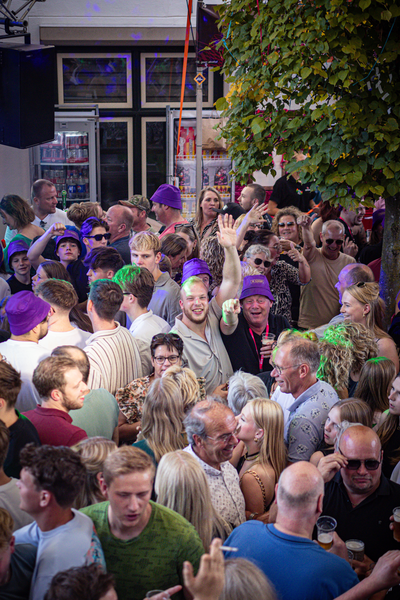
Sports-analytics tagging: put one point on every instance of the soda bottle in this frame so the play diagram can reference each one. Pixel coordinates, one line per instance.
(64, 199)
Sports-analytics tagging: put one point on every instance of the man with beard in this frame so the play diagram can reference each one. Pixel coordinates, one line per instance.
(28, 317)
(61, 388)
(198, 325)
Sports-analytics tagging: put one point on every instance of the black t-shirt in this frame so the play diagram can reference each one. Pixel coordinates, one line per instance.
(289, 192)
(242, 349)
(369, 520)
(370, 253)
(16, 286)
(77, 271)
(22, 432)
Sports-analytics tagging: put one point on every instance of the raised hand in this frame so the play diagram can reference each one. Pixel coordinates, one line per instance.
(56, 229)
(210, 579)
(350, 248)
(227, 231)
(305, 221)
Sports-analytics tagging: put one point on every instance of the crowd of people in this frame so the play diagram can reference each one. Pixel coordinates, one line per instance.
(181, 403)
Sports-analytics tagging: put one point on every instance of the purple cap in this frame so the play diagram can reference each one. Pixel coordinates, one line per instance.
(169, 195)
(14, 247)
(378, 216)
(256, 285)
(24, 311)
(69, 234)
(232, 208)
(194, 267)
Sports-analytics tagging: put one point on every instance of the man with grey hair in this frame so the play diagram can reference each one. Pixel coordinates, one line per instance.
(296, 566)
(211, 430)
(305, 400)
(242, 388)
(319, 300)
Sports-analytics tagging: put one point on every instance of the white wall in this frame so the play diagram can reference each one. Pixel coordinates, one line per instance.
(14, 174)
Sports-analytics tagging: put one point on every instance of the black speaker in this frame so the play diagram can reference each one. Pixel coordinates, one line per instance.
(27, 86)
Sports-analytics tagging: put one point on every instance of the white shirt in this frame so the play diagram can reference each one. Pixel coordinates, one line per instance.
(24, 357)
(76, 337)
(58, 217)
(226, 495)
(147, 325)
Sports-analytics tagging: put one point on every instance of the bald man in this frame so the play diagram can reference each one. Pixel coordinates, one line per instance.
(120, 222)
(297, 567)
(358, 495)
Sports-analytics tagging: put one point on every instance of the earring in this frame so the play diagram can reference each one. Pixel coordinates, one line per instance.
(257, 440)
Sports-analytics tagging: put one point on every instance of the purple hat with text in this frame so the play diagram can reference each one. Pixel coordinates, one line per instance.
(193, 267)
(169, 195)
(256, 285)
(25, 311)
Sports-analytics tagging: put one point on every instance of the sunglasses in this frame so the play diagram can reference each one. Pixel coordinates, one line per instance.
(288, 224)
(258, 262)
(99, 236)
(337, 242)
(354, 464)
(257, 225)
(185, 225)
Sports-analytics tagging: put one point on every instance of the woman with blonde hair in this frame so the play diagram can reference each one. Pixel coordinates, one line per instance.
(189, 386)
(206, 220)
(162, 419)
(335, 366)
(93, 452)
(181, 485)
(361, 342)
(263, 454)
(376, 378)
(361, 303)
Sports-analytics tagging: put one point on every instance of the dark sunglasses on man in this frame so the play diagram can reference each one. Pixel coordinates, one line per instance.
(99, 236)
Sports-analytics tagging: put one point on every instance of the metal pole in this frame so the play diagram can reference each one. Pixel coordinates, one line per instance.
(199, 138)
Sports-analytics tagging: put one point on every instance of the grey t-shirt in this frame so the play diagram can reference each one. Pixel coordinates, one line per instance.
(165, 300)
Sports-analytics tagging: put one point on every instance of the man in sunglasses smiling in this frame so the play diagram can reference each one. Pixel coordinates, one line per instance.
(358, 495)
(319, 300)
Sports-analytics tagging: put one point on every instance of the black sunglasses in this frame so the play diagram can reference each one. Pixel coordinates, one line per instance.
(337, 242)
(99, 236)
(187, 225)
(258, 262)
(288, 224)
(354, 464)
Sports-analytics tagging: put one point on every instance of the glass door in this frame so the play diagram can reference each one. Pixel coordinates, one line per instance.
(116, 159)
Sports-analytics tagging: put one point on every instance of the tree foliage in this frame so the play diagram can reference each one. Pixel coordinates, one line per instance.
(321, 76)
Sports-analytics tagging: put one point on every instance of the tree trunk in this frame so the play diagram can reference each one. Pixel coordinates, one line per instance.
(389, 281)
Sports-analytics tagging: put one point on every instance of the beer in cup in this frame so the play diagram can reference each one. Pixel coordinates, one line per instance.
(356, 547)
(396, 523)
(325, 529)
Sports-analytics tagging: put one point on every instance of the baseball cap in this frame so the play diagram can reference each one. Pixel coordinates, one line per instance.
(232, 208)
(137, 201)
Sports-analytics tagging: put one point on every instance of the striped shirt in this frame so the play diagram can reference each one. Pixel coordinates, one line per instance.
(116, 359)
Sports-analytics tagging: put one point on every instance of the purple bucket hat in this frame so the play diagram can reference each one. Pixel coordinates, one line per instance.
(254, 285)
(14, 247)
(69, 234)
(25, 311)
(169, 195)
(194, 267)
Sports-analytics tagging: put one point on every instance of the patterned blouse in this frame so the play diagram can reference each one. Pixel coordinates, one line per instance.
(131, 397)
(281, 274)
(209, 230)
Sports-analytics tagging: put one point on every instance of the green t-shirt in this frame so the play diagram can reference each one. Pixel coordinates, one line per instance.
(154, 559)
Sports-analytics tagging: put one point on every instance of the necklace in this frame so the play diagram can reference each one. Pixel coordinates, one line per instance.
(248, 456)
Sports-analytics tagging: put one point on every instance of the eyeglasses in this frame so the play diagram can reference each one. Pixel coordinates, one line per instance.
(288, 224)
(337, 242)
(353, 464)
(99, 236)
(172, 359)
(258, 262)
(185, 225)
(225, 437)
(280, 369)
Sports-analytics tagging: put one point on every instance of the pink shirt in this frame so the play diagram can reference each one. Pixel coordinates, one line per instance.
(171, 228)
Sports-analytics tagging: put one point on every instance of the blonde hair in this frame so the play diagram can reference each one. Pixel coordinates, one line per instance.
(126, 460)
(93, 452)
(80, 211)
(357, 337)
(188, 385)
(145, 240)
(198, 220)
(162, 417)
(268, 416)
(245, 581)
(368, 293)
(6, 528)
(182, 486)
(290, 333)
(291, 211)
(335, 365)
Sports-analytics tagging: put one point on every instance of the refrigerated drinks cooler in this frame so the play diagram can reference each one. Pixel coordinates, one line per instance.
(70, 161)
(216, 165)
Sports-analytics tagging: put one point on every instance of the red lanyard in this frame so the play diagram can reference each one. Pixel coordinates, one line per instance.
(259, 355)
